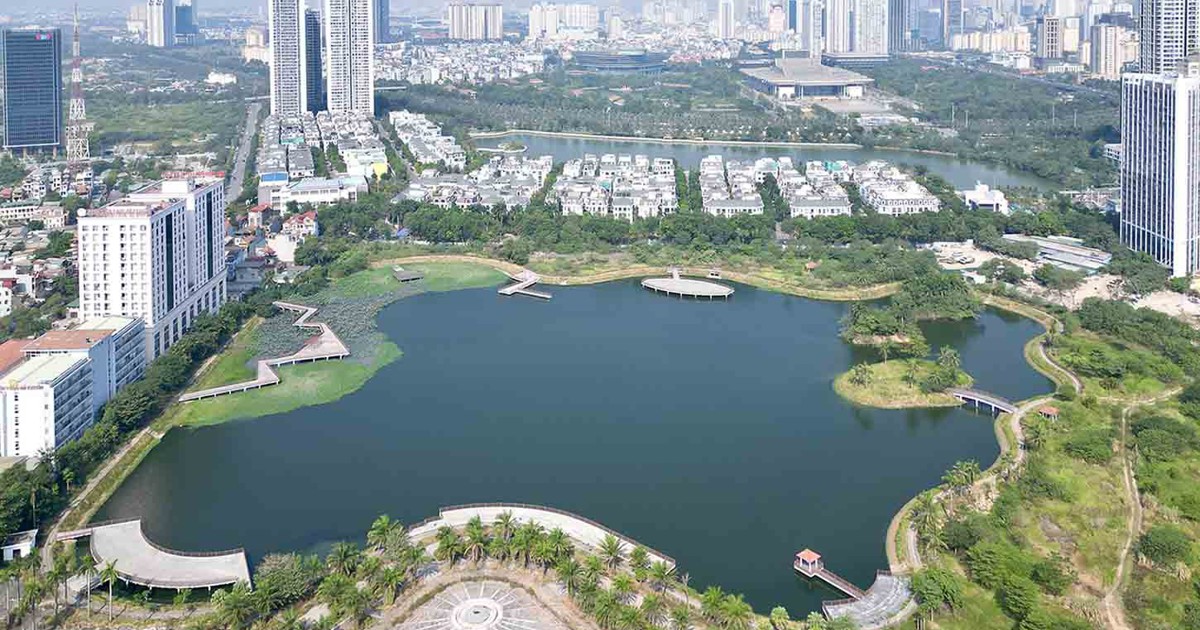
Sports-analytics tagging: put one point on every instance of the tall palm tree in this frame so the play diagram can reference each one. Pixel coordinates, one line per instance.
(949, 358)
(109, 574)
(569, 573)
(289, 619)
(612, 551)
(736, 613)
(560, 544)
(390, 581)
(605, 608)
(381, 530)
(504, 525)
(593, 566)
(413, 559)
(639, 559)
(660, 575)
(710, 603)
(369, 568)
(476, 543)
(343, 558)
(357, 606)
(449, 545)
(685, 579)
(927, 516)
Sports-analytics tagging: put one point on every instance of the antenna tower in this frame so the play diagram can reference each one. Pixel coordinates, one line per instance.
(78, 126)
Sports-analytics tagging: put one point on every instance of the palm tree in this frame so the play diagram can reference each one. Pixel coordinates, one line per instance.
(476, 540)
(390, 581)
(886, 348)
(381, 531)
(912, 373)
(369, 568)
(630, 618)
(357, 606)
(570, 573)
(1035, 436)
(654, 609)
(685, 579)
(660, 575)
(681, 617)
(560, 544)
(343, 558)
(333, 589)
(736, 613)
(860, 374)
(605, 608)
(235, 607)
(181, 597)
(779, 618)
(543, 553)
(948, 358)
(623, 587)
(639, 559)
(926, 516)
(593, 566)
(612, 550)
(109, 574)
(413, 559)
(504, 525)
(288, 620)
(449, 545)
(710, 603)
(525, 539)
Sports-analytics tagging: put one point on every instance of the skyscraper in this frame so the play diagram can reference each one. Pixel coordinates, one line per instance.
(314, 84)
(187, 31)
(837, 26)
(349, 56)
(952, 20)
(476, 21)
(902, 26)
(383, 19)
(160, 23)
(793, 16)
(1160, 166)
(543, 21)
(1107, 43)
(33, 111)
(1050, 37)
(870, 27)
(812, 26)
(289, 93)
(1170, 31)
(725, 23)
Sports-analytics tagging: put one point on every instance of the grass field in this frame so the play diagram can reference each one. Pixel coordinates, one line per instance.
(233, 365)
(889, 389)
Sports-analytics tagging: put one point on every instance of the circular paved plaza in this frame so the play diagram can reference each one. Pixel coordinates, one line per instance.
(481, 605)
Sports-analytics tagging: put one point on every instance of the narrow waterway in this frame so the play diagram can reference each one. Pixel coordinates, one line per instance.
(963, 174)
(708, 430)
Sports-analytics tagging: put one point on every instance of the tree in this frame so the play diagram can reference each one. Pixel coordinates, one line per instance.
(779, 618)
(949, 359)
(736, 613)
(343, 558)
(235, 607)
(382, 531)
(612, 550)
(109, 574)
(710, 603)
(860, 374)
(660, 575)
(570, 573)
(476, 542)
(927, 517)
(504, 526)
(1165, 545)
(681, 617)
(449, 545)
(654, 609)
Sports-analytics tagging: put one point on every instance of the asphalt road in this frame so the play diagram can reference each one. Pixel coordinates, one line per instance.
(243, 154)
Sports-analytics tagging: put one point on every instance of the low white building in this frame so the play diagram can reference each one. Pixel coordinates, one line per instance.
(896, 197)
(983, 197)
(18, 545)
(319, 191)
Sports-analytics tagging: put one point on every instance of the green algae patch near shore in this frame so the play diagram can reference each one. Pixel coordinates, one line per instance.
(896, 385)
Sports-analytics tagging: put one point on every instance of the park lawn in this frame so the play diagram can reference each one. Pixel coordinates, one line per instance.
(365, 283)
(887, 388)
(233, 365)
(301, 385)
(451, 276)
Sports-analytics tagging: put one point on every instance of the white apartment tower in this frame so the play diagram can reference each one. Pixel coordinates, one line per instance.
(543, 21)
(585, 17)
(725, 21)
(160, 22)
(837, 26)
(1108, 47)
(1160, 166)
(349, 56)
(871, 26)
(1170, 31)
(1050, 44)
(157, 255)
(289, 88)
(475, 21)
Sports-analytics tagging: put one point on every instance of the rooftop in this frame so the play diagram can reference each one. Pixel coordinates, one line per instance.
(12, 352)
(18, 539)
(805, 72)
(40, 369)
(74, 339)
(112, 323)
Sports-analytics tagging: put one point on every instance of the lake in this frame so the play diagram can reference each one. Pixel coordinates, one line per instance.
(708, 430)
(963, 174)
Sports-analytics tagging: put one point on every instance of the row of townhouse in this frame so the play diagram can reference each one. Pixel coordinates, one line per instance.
(510, 181)
(425, 140)
(625, 187)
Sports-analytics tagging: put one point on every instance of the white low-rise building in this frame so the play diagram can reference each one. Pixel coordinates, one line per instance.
(897, 197)
(624, 186)
(983, 197)
(319, 191)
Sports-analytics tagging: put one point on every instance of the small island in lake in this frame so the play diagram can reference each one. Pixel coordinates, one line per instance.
(903, 384)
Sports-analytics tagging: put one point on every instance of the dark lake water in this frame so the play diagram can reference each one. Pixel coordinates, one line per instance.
(963, 174)
(708, 430)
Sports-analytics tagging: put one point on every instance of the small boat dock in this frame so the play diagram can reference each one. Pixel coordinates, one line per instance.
(888, 602)
(404, 276)
(687, 287)
(808, 563)
(521, 285)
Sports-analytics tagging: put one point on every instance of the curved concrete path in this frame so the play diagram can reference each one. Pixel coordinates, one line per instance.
(326, 345)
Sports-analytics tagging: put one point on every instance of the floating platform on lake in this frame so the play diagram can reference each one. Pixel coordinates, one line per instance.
(687, 287)
(522, 283)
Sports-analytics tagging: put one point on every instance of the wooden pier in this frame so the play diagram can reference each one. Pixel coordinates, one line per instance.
(521, 286)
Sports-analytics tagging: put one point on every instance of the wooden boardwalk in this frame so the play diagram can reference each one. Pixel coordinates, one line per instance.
(326, 345)
(521, 286)
(978, 397)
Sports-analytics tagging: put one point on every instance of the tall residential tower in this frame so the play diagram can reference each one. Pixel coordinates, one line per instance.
(32, 82)
(314, 84)
(1170, 33)
(349, 56)
(289, 93)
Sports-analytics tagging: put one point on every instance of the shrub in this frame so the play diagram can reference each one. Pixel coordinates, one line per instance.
(1042, 619)
(1159, 445)
(1018, 597)
(1053, 574)
(960, 535)
(289, 575)
(1092, 445)
(1165, 545)
(937, 588)
(997, 562)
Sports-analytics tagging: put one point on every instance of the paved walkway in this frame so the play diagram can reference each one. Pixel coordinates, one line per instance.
(140, 561)
(326, 345)
(888, 600)
(580, 529)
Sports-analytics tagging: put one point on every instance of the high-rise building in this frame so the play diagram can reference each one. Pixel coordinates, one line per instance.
(777, 20)
(952, 20)
(1160, 166)
(158, 254)
(33, 89)
(543, 21)
(837, 26)
(187, 30)
(1107, 51)
(1170, 31)
(314, 85)
(902, 26)
(289, 91)
(812, 26)
(349, 56)
(383, 21)
(476, 21)
(869, 30)
(616, 27)
(160, 23)
(793, 16)
(725, 21)
(585, 17)
(1049, 37)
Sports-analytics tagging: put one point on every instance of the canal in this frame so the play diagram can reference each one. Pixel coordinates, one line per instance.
(708, 430)
(963, 174)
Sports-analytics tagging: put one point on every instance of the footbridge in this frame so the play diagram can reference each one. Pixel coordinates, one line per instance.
(138, 560)
(324, 346)
(981, 398)
(522, 283)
